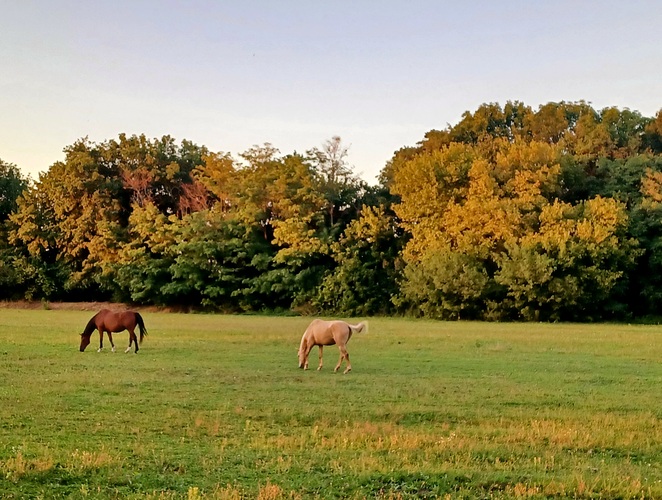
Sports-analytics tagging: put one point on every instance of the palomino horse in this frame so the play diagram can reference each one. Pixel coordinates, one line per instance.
(320, 333)
(113, 322)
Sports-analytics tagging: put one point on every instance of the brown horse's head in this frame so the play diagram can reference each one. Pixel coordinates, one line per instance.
(84, 341)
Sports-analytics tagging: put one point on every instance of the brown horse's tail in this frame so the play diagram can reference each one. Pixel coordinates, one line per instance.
(141, 324)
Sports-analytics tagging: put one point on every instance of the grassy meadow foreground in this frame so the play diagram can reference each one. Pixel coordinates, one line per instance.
(215, 407)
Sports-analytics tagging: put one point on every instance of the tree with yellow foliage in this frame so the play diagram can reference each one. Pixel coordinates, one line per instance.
(490, 238)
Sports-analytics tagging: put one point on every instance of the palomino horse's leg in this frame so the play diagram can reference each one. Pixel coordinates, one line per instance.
(307, 353)
(110, 337)
(343, 355)
(320, 353)
(349, 365)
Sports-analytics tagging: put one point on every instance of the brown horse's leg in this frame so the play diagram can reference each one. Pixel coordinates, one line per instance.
(132, 338)
(320, 354)
(100, 340)
(110, 337)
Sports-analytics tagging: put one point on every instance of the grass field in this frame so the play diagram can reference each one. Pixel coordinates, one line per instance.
(215, 407)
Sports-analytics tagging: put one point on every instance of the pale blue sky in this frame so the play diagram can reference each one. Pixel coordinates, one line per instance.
(231, 74)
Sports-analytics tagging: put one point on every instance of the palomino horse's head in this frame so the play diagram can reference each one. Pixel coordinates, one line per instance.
(84, 341)
(302, 354)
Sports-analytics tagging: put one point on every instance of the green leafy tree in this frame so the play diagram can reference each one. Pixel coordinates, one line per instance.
(499, 230)
(280, 196)
(12, 185)
(22, 275)
(653, 135)
(365, 277)
(215, 263)
(70, 215)
(627, 130)
(576, 265)
(157, 170)
(77, 213)
(550, 123)
(491, 121)
(141, 269)
(646, 226)
(445, 284)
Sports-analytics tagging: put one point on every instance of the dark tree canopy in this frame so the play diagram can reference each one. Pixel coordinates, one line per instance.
(12, 185)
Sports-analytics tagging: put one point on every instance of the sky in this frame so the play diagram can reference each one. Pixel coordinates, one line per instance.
(294, 73)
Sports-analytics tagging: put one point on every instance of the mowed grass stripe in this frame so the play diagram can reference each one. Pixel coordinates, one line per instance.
(215, 406)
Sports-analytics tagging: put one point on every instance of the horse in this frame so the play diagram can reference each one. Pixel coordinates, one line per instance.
(113, 322)
(320, 333)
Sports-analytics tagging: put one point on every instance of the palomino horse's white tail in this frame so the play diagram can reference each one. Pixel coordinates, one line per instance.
(361, 327)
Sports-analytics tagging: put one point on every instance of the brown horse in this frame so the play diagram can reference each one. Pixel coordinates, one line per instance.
(113, 322)
(320, 333)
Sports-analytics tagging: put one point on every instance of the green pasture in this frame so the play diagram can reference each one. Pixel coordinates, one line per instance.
(214, 406)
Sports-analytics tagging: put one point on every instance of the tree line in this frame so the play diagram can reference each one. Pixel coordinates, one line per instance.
(510, 214)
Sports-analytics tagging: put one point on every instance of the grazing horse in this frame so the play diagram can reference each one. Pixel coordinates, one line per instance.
(113, 322)
(320, 333)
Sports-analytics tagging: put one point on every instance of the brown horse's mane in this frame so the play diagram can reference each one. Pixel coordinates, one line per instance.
(91, 325)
